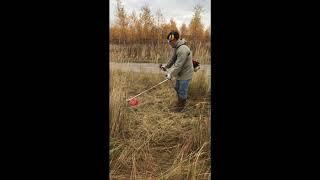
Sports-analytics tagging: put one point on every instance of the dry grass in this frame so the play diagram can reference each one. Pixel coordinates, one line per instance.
(149, 141)
(158, 53)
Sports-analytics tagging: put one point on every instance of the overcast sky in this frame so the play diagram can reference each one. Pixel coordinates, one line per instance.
(180, 10)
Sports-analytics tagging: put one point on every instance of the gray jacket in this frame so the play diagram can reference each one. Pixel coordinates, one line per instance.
(181, 61)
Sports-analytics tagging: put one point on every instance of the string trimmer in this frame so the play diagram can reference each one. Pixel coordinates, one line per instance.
(133, 100)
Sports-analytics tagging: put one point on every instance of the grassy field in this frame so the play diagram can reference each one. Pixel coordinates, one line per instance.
(155, 53)
(151, 142)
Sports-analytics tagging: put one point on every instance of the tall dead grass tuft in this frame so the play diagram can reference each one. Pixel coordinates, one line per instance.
(156, 53)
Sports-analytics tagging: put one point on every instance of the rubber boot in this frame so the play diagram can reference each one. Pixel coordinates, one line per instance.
(181, 105)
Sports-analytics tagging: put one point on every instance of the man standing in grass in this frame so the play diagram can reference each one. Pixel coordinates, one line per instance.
(180, 66)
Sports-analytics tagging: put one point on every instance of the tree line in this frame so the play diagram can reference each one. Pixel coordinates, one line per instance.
(146, 27)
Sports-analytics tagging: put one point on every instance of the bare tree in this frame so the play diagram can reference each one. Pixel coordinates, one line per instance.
(147, 22)
(173, 25)
(183, 30)
(121, 21)
(160, 21)
(196, 27)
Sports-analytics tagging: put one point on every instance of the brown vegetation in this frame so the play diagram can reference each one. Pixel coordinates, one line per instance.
(142, 37)
(151, 142)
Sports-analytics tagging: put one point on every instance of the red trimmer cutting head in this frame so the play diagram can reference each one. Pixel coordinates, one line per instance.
(134, 102)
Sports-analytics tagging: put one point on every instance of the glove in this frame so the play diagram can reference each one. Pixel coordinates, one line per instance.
(168, 76)
(162, 67)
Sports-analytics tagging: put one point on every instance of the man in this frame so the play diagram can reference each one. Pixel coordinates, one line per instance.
(181, 67)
